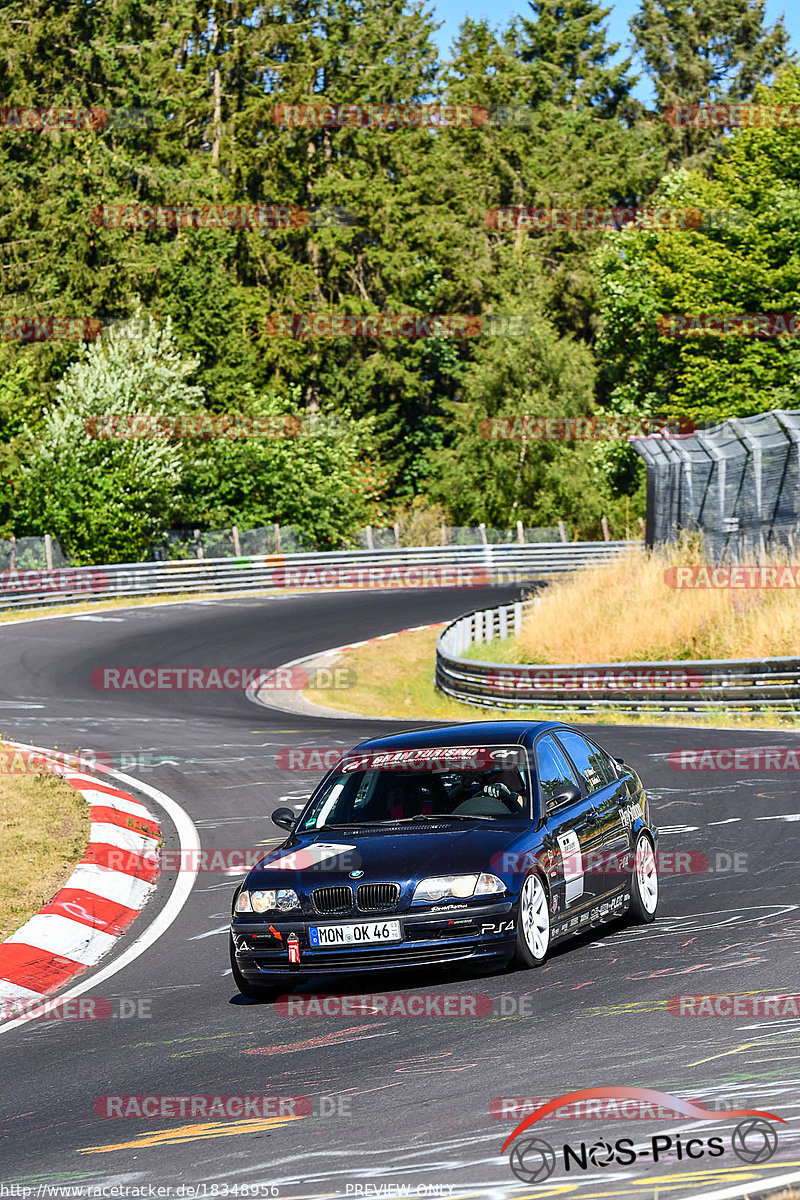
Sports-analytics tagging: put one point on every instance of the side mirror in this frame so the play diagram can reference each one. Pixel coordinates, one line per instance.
(621, 761)
(285, 818)
(567, 795)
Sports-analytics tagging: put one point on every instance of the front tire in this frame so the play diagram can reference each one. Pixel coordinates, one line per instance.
(251, 990)
(644, 882)
(533, 923)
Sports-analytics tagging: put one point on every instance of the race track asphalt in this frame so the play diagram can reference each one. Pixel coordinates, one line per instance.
(400, 1106)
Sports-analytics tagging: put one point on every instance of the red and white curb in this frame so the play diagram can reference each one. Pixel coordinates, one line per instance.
(106, 891)
(382, 638)
(296, 702)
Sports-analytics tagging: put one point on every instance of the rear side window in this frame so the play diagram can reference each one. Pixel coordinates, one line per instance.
(593, 763)
(553, 769)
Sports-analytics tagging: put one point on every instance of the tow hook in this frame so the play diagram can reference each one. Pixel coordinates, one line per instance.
(294, 948)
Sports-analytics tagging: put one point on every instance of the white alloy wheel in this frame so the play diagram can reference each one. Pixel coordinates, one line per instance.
(646, 875)
(534, 916)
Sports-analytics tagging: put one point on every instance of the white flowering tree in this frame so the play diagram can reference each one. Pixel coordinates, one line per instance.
(107, 498)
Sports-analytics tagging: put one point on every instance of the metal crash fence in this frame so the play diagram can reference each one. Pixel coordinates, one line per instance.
(737, 483)
(681, 686)
(426, 566)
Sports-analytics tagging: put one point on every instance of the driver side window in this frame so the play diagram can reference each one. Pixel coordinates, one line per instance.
(553, 770)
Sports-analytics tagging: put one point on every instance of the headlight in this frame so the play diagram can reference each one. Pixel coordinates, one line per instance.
(458, 887)
(282, 900)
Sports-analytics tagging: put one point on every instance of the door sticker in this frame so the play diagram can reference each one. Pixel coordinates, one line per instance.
(570, 849)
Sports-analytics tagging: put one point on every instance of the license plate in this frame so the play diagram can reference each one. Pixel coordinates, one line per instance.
(355, 935)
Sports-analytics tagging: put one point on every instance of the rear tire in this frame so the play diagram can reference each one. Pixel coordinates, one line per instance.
(533, 923)
(252, 991)
(644, 882)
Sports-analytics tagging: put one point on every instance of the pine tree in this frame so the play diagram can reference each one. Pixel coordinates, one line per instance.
(705, 51)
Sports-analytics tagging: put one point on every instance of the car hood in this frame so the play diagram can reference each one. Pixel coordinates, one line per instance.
(401, 853)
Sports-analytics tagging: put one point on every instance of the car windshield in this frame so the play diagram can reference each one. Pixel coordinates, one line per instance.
(487, 783)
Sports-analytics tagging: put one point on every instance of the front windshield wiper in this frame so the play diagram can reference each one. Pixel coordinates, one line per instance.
(420, 817)
(465, 817)
(341, 825)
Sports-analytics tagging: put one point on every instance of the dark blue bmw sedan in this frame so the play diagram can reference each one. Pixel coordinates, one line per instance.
(474, 843)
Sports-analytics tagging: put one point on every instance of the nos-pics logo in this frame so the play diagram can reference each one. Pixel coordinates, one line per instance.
(533, 1160)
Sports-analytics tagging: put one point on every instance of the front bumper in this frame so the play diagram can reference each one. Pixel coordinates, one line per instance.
(480, 934)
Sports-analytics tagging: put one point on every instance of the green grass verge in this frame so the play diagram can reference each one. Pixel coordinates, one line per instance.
(45, 829)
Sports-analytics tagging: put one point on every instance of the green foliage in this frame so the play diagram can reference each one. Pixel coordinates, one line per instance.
(407, 413)
(747, 265)
(701, 51)
(105, 499)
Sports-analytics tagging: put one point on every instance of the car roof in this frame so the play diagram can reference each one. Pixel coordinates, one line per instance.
(468, 733)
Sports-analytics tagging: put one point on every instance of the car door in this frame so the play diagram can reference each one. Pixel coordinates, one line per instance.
(609, 794)
(571, 825)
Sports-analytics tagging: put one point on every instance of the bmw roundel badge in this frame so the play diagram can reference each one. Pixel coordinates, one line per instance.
(356, 874)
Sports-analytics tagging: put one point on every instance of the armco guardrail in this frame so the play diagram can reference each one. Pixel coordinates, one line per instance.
(685, 685)
(426, 566)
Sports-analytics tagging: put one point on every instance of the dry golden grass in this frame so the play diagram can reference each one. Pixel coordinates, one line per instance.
(626, 612)
(44, 828)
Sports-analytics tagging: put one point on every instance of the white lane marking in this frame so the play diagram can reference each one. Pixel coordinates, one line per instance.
(110, 885)
(781, 817)
(90, 618)
(184, 882)
(226, 787)
(61, 935)
(728, 821)
(198, 937)
(18, 704)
